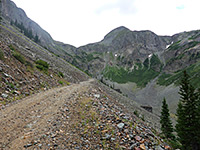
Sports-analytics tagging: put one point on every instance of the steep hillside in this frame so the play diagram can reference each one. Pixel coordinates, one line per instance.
(17, 17)
(26, 67)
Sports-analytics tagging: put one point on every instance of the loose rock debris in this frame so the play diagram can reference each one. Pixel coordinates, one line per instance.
(77, 117)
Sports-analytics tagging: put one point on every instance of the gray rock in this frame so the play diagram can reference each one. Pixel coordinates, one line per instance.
(120, 125)
(107, 137)
(158, 148)
(4, 95)
(133, 146)
(28, 145)
(97, 95)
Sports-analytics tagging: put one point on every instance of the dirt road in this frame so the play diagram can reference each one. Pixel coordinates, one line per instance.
(28, 117)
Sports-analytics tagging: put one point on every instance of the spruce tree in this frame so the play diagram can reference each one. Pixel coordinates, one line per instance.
(198, 119)
(187, 121)
(166, 124)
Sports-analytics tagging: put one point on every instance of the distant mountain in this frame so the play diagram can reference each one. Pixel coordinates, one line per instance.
(142, 65)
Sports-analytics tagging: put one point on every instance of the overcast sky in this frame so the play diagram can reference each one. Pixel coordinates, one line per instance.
(79, 22)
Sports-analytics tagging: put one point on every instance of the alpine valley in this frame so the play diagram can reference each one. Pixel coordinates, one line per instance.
(141, 65)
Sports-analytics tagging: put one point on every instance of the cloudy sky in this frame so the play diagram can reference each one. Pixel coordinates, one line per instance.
(79, 22)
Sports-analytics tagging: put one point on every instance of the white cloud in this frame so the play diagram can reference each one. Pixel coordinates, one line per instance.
(123, 6)
(80, 22)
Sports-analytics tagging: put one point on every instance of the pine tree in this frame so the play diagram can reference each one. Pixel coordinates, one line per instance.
(166, 124)
(36, 39)
(198, 118)
(187, 122)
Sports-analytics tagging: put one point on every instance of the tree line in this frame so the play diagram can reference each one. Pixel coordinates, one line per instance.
(25, 31)
(188, 117)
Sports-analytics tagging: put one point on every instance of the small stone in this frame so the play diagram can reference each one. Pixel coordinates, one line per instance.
(53, 136)
(120, 125)
(133, 146)
(1, 69)
(97, 95)
(142, 146)
(28, 145)
(137, 138)
(107, 137)
(126, 130)
(123, 147)
(4, 95)
(158, 148)
(17, 92)
(28, 126)
(6, 75)
(167, 147)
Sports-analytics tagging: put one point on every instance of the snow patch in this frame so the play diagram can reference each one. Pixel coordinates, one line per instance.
(150, 55)
(167, 46)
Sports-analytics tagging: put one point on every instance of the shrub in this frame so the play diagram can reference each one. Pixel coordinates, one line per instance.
(60, 74)
(19, 57)
(42, 65)
(11, 47)
(1, 55)
(60, 82)
(28, 63)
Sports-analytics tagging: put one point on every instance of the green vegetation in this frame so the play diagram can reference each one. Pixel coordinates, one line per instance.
(19, 57)
(174, 46)
(25, 31)
(192, 44)
(188, 113)
(1, 55)
(11, 47)
(60, 74)
(155, 61)
(141, 75)
(193, 71)
(166, 124)
(42, 65)
(90, 57)
(188, 116)
(84, 57)
(146, 62)
(60, 82)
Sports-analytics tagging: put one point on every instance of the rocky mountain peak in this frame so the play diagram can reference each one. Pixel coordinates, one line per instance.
(108, 39)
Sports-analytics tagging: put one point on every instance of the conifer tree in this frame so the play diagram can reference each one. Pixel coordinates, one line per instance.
(187, 121)
(36, 39)
(198, 118)
(166, 124)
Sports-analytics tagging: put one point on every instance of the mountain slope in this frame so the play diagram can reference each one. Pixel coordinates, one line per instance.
(143, 65)
(14, 14)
